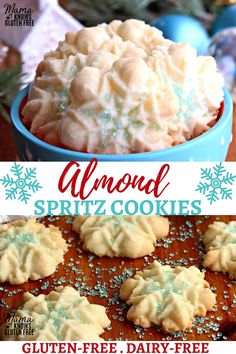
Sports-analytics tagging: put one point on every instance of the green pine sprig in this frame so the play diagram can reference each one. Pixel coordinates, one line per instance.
(10, 83)
(190, 7)
(91, 12)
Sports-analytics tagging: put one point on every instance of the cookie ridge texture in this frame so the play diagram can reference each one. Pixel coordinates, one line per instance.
(104, 90)
(220, 246)
(168, 297)
(29, 250)
(61, 315)
(120, 236)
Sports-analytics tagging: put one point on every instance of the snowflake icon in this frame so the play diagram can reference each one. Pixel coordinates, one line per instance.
(215, 183)
(21, 183)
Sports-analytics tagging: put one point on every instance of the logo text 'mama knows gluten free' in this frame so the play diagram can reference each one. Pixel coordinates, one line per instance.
(18, 16)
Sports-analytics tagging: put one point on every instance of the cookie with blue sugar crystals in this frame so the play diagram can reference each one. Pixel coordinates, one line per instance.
(220, 245)
(29, 250)
(120, 236)
(168, 297)
(61, 315)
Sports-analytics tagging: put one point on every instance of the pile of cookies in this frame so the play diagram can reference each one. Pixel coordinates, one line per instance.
(157, 295)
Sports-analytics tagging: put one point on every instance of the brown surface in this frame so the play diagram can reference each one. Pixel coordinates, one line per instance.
(181, 245)
(8, 150)
(11, 58)
(7, 144)
(232, 149)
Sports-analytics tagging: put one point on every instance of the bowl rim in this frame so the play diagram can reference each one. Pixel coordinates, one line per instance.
(16, 121)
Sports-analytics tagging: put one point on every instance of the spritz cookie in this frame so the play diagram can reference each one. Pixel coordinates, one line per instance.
(220, 245)
(120, 236)
(168, 297)
(29, 250)
(61, 315)
(105, 89)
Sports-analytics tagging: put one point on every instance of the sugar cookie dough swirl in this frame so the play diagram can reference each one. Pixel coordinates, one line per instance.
(168, 297)
(122, 88)
(120, 236)
(62, 315)
(29, 250)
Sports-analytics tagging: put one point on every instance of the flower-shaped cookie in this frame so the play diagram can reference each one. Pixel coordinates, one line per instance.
(29, 250)
(168, 297)
(61, 315)
(120, 236)
(220, 244)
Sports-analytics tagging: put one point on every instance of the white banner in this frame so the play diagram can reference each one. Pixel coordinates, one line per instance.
(120, 347)
(99, 188)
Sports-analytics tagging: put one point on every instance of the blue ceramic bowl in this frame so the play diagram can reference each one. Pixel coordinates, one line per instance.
(210, 146)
